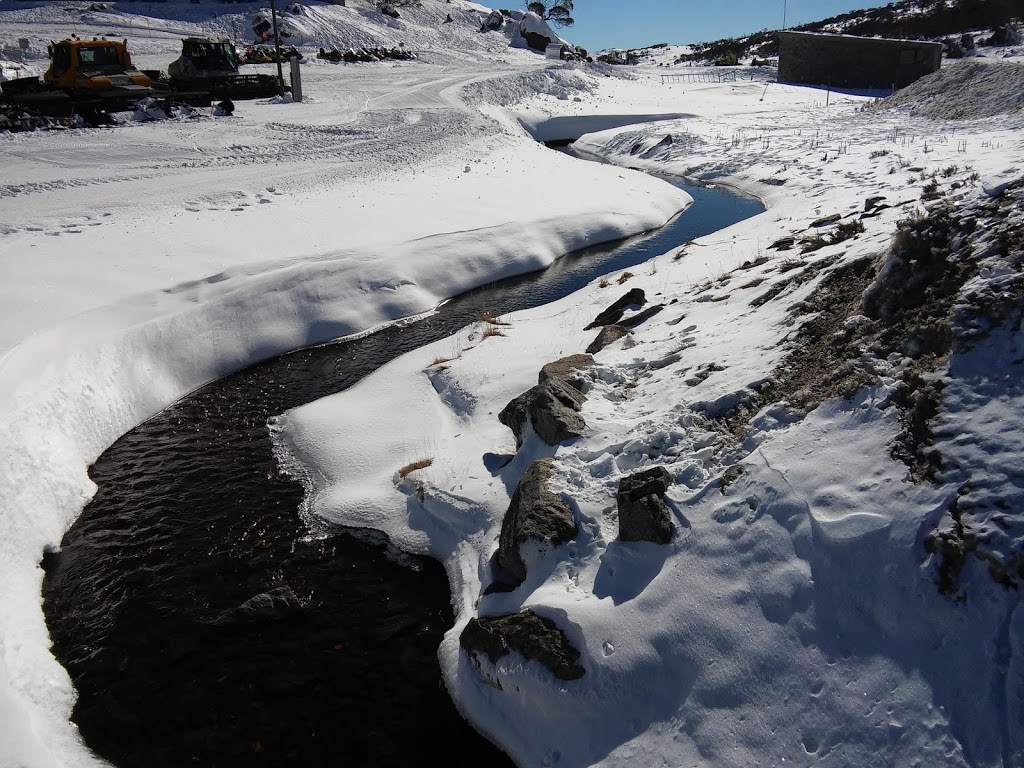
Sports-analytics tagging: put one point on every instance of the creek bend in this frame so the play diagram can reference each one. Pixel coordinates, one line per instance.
(192, 518)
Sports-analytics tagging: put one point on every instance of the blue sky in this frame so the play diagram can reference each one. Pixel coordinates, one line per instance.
(635, 23)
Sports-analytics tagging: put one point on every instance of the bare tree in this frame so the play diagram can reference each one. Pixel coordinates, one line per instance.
(558, 12)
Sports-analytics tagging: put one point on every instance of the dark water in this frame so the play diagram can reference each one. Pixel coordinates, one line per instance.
(192, 518)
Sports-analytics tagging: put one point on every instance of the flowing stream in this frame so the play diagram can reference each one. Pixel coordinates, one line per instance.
(192, 518)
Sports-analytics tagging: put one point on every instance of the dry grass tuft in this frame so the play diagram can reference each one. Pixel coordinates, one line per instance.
(490, 330)
(604, 283)
(625, 276)
(413, 466)
(488, 317)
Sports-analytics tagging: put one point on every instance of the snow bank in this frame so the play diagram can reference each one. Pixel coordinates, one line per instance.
(967, 90)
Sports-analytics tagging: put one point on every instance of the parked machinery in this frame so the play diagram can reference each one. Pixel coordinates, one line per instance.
(211, 65)
(83, 76)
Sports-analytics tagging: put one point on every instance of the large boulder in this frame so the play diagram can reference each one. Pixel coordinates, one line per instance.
(532, 636)
(494, 21)
(643, 513)
(536, 33)
(553, 405)
(536, 515)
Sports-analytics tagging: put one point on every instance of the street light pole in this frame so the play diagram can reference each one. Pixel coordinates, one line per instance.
(277, 48)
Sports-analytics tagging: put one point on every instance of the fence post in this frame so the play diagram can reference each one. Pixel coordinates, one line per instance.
(296, 79)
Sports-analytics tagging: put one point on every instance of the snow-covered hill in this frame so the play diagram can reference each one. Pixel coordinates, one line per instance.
(989, 29)
(833, 387)
(154, 30)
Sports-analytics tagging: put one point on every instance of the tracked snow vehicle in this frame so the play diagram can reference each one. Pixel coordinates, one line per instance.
(212, 65)
(84, 76)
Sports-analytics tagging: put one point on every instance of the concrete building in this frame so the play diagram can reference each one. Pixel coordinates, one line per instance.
(844, 61)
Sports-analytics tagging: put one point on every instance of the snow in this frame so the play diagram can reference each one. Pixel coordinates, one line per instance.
(793, 619)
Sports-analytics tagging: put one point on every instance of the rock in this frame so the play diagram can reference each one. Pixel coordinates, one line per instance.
(612, 315)
(552, 406)
(643, 513)
(534, 514)
(783, 244)
(564, 368)
(608, 334)
(640, 317)
(554, 412)
(536, 41)
(275, 605)
(532, 636)
(824, 221)
(494, 21)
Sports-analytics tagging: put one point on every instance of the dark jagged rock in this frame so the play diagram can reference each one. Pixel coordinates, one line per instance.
(643, 513)
(552, 406)
(534, 514)
(532, 636)
(275, 605)
(640, 317)
(608, 334)
(636, 297)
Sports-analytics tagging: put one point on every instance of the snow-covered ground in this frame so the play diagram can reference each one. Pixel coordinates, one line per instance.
(794, 618)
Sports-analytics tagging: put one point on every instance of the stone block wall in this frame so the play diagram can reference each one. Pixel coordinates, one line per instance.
(844, 61)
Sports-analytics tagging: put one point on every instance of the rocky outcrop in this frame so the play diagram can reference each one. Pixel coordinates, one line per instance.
(552, 406)
(275, 605)
(532, 636)
(608, 334)
(643, 513)
(534, 514)
(494, 21)
(634, 297)
(536, 41)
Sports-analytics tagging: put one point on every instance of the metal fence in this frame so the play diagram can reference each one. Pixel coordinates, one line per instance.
(719, 76)
(725, 76)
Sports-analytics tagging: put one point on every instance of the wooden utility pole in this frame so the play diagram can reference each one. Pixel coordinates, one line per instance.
(277, 48)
